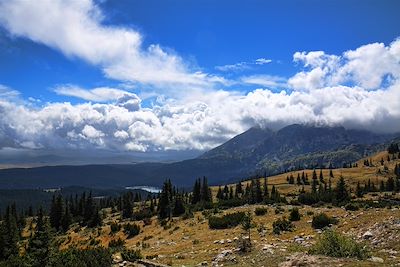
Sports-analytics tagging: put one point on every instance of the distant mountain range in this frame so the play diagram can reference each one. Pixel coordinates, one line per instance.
(253, 152)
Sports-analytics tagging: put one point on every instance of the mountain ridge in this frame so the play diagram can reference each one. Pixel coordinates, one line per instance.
(257, 150)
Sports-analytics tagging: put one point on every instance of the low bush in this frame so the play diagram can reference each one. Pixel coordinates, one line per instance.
(282, 225)
(115, 227)
(91, 257)
(226, 221)
(294, 215)
(131, 255)
(322, 220)
(116, 243)
(351, 207)
(332, 244)
(131, 230)
(260, 211)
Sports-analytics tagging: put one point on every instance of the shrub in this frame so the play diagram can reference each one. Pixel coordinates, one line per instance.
(131, 230)
(116, 243)
(333, 244)
(131, 255)
(115, 227)
(294, 215)
(226, 221)
(322, 220)
(260, 211)
(142, 214)
(91, 257)
(279, 210)
(282, 225)
(351, 207)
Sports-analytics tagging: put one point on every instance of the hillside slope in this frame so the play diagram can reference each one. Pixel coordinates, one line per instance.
(255, 151)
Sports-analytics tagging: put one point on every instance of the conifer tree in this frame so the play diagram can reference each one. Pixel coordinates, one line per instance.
(127, 206)
(266, 193)
(165, 202)
(179, 207)
(56, 211)
(258, 196)
(321, 176)
(220, 195)
(298, 179)
(9, 235)
(66, 219)
(359, 191)
(341, 193)
(239, 189)
(39, 244)
(205, 191)
(314, 183)
(231, 192)
(390, 184)
(196, 192)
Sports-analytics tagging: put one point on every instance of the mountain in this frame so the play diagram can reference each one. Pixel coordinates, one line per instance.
(255, 151)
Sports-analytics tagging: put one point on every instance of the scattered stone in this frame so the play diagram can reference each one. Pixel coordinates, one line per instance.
(367, 235)
(376, 259)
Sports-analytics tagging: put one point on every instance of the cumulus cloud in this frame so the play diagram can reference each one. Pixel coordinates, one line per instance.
(75, 28)
(358, 89)
(370, 66)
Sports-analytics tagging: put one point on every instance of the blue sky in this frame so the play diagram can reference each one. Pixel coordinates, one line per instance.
(209, 33)
(148, 76)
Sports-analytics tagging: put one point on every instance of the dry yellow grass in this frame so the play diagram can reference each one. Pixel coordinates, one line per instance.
(189, 242)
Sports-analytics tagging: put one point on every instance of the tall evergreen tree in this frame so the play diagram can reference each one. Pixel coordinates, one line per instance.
(341, 193)
(165, 202)
(314, 183)
(56, 212)
(321, 176)
(205, 191)
(39, 244)
(266, 193)
(196, 197)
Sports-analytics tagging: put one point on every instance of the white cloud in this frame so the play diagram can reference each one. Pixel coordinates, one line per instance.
(370, 66)
(100, 94)
(240, 66)
(262, 61)
(233, 67)
(265, 81)
(75, 28)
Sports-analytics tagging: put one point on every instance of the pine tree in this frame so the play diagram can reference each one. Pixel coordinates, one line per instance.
(266, 193)
(258, 196)
(225, 192)
(359, 191)
(382, 186)
(66, 219)
(56, 211)
(239, 189)
(321, 176)
(205, 191)
(220, 195)
(165, 202)
(341, 193)
(298, 179)
(314, 183)
(231, 192)
(331, 173)
(196, 192)
(9, 235)
(390, 184)
(127, 205)
(179, 207)
(39, 244)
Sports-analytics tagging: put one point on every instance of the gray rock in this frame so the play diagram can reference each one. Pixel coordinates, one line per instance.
(376, 259)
